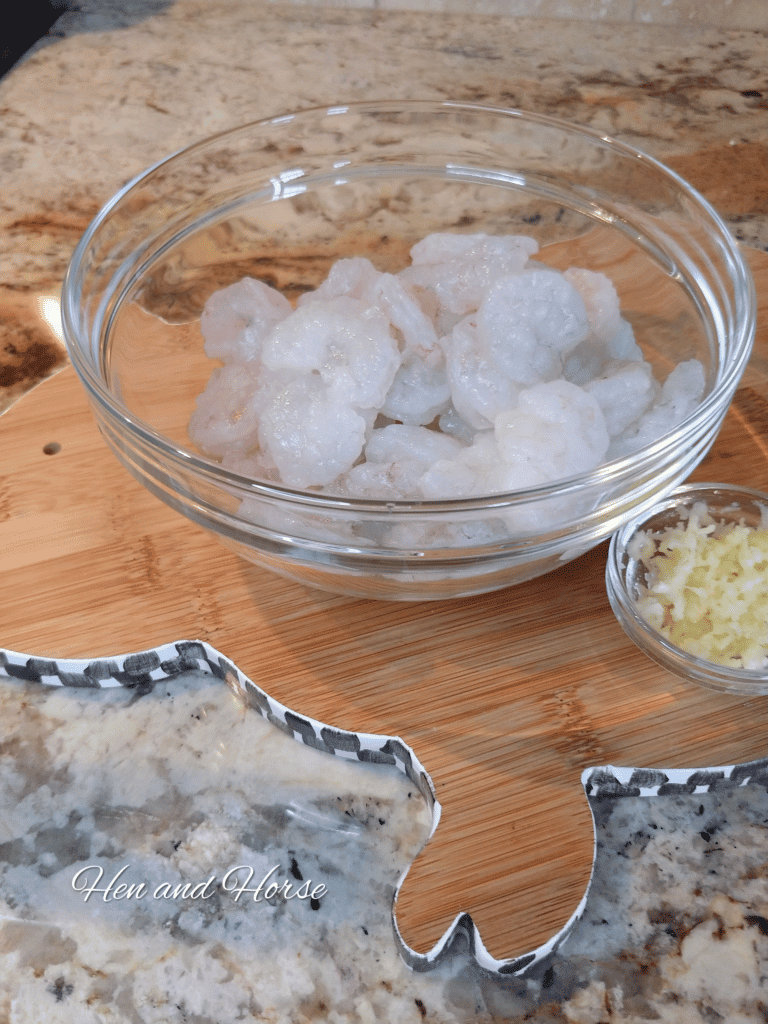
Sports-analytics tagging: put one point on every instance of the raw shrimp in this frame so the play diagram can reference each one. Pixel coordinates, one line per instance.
(476, 370)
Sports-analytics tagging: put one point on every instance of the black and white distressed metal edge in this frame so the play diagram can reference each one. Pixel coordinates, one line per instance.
(140, 671)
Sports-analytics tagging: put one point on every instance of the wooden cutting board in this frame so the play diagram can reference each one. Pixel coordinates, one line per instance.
(505, 698)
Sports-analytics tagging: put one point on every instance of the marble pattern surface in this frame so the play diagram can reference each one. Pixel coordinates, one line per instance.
(185, 882)
(95, 15)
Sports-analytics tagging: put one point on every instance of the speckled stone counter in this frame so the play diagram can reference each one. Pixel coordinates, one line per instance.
(83, 115)
(181, 882)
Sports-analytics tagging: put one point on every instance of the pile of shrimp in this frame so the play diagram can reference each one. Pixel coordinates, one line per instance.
(475, 370)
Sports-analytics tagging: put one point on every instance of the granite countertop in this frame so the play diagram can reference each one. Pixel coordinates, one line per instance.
(185, 882)
(83, 115)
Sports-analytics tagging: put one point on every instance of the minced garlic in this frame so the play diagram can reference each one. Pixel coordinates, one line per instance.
(706, 588)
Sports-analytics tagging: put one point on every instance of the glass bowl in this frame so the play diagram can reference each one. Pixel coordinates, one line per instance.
(625, 575)
(281, 200)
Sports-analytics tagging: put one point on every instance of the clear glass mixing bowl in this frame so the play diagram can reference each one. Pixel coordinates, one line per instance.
(281, 200)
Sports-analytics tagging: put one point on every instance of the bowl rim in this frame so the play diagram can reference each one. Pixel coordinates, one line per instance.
(602, 475)
(641, 632)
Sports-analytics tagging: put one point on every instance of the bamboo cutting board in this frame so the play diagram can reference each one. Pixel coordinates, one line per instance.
(505, 698)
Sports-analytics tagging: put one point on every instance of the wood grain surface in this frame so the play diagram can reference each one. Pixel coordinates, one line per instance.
(505, 698)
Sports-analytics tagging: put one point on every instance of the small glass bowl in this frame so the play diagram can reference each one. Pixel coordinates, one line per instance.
(725, 502)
